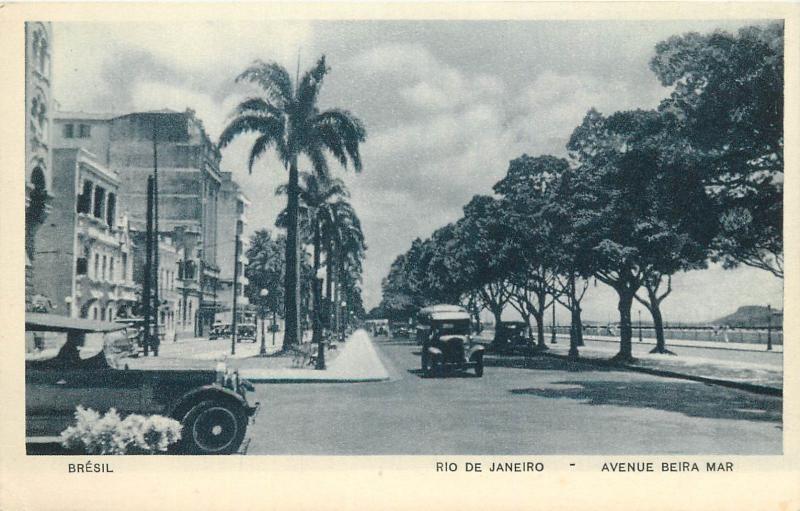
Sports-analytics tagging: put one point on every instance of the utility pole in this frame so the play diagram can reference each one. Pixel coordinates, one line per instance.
(148, 266)
(156, 302)
(640, 325)
(553, 334)
(769, 327)
(235, 289)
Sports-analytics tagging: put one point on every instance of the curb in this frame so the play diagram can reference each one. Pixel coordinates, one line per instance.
(748, 387)
(278, 379)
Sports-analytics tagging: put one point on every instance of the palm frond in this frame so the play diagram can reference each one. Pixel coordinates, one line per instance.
(309, 85)
(341, 133)
(255, 106)
(266, 125)
(273, 78)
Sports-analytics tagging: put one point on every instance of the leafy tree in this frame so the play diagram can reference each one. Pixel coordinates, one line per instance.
(527, 188)
(484, 253)
(728, 95)
(288, 120)
(640, 203)
(266, 269)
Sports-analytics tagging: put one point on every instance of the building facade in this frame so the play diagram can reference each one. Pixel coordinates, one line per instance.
(233, 204)
(189, 181)
(85, 251)
(38, 175)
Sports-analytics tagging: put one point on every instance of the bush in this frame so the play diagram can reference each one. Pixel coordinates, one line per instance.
(110, 434)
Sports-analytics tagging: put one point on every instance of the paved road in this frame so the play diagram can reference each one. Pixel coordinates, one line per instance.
(552, 409)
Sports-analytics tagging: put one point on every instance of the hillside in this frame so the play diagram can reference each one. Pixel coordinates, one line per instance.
(750, 316)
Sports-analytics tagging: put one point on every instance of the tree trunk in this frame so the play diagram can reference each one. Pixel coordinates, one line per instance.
(541, 345)
(625, 331)
(576, 330)
(317, 301)
(496, 312)
(658, 325)
(328, 282)
(291, 335)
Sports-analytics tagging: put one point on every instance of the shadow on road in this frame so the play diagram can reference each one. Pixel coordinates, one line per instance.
(450, 374)
(543, 364)
(691, 399)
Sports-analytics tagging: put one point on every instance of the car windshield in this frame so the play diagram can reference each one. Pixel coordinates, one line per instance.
(452, 326)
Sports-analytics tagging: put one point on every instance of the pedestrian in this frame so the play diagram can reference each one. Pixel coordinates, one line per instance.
(725, 333)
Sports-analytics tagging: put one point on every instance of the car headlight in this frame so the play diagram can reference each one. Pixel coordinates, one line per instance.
(221, 373)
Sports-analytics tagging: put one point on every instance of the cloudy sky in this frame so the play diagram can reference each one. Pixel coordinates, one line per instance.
(446, 105)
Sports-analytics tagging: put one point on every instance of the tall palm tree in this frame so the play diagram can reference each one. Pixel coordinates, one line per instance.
(319, 196)
(345, 250)
(288, 120)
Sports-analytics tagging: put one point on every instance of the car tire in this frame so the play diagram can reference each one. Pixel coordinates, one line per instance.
(427, 365)
(479, 367)
(213, 427)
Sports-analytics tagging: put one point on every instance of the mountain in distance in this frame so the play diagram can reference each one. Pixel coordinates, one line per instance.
(750, 316)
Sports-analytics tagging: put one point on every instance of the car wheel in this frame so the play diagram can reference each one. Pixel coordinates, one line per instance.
(213, 427)
(479, 367)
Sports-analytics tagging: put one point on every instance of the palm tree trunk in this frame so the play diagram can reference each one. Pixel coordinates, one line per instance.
(291, 334)
(329, 282)
(317, 321)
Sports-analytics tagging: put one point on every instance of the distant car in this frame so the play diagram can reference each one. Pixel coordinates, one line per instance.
(401, 330)
(246, 332)
(511, 337)
(82, 365)
(447, 344)
(220, 331)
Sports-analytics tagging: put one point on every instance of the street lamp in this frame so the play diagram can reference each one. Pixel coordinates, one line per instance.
(769, 327)
(317, 320)
(553, 335)
(640, 325)
(263, 294)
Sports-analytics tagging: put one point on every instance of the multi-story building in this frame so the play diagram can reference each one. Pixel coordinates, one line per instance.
(167, 281)
(38, 177)
(232, 219)
(189, 180)
(85, 254)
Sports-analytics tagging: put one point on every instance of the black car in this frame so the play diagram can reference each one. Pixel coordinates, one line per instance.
(80, 363)
(447, 344)
(511, 337)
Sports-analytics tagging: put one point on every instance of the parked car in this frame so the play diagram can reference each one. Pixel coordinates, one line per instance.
(78, 365)
(511, 337)
(220, 331)
(447, 344)
(246, 332)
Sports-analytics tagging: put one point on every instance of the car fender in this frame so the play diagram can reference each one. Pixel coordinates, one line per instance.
(477, 352)
(434, 351)
(206, 392)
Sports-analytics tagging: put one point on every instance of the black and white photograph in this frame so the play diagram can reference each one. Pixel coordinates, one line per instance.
(482, 246)
(431, 237)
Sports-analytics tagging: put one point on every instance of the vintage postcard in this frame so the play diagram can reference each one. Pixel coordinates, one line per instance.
(403, 255)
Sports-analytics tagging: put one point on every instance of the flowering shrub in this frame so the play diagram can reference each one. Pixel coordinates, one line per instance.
(110, 434)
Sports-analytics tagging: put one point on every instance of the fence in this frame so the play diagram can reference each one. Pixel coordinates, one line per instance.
(687, 333)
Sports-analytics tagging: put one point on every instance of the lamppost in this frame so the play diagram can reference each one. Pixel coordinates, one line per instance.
(640, 325)
(263, 294)
(317, 320)
(553, 335)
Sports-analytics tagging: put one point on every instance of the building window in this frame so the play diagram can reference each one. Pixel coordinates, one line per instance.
(85, 198)
(124, 266)
(81, 266)
(84, 131)
(94, 312)
(96, 266)
(111, 276)
(103, 275)
(102, 314)
(99, 201)
(111, 209)
(69, 131)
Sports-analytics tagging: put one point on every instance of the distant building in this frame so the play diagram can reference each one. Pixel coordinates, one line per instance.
(168, 292)
(232, 218)
(189, 183)
(38, 176)
(84, 250)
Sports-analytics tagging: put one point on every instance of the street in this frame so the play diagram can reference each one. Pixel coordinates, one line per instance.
(550, 409)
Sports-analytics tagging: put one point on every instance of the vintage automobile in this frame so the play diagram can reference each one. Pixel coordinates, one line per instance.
(77, 362)
(511, 337)
(246, 332)
(220, 331)
(400, 330)
(445, 335)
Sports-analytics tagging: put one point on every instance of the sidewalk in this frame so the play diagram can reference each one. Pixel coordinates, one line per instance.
(720, 345)
(357, 361)
(756, 377)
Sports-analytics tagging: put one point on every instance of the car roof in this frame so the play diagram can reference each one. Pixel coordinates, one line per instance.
(432, 309)
(35, 321)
